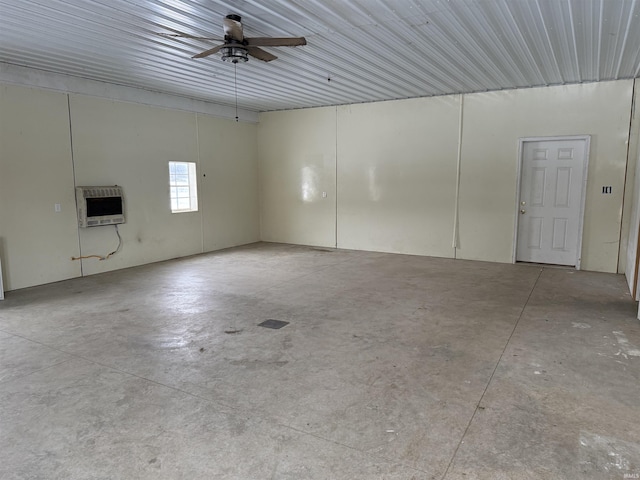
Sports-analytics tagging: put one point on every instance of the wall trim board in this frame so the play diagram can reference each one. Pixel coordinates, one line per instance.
(73, 172)
(30, 77)
(456, 213)
(199, 182)
(336, 180)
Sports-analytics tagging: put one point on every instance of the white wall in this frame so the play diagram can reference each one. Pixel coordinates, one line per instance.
(394, 190)
(396, 164)
(397, 175)
(228, 199)
(494, 121)
(36, 243)
(126, 144)
(297, 151)
(115, 143)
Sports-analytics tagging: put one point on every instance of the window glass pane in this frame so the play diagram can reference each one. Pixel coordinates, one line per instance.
(182, 180)
(183, 187)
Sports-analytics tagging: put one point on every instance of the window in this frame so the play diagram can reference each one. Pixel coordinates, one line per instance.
(183, 187)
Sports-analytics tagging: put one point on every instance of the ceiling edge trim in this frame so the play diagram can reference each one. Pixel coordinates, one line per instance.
(30, 77)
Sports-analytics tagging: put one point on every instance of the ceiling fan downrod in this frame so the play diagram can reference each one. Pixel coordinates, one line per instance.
(235, 78)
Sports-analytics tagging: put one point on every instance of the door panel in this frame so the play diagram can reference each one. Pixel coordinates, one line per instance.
(559, 234)
(535, 232)
(550, 210)
(538, 186)
(563, 187)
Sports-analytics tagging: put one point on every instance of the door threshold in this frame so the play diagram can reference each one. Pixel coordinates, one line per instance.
(547, 265)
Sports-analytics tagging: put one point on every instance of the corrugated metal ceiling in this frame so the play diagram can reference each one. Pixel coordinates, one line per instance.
(358, 50)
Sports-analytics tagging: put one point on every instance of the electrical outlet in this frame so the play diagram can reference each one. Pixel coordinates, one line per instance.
(324, 194)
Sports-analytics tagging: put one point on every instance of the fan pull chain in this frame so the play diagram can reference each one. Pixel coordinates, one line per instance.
(235, 74)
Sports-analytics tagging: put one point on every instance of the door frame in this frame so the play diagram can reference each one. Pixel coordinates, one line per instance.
(583, 194)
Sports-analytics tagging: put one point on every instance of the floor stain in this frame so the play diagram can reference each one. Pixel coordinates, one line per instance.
(254, 364)
(626, 348)
(607, 454)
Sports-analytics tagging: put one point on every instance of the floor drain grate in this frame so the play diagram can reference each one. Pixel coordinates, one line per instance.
(275, 324)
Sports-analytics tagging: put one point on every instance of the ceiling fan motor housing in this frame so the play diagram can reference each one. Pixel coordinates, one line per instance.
(234, 54)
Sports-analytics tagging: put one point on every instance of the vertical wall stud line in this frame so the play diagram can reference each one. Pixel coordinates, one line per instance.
(336, 180)
(456, 219)
(199, 184)
(259, 176)
(73, 173)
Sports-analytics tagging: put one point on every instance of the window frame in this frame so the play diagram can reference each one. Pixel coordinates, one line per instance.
(178, 182)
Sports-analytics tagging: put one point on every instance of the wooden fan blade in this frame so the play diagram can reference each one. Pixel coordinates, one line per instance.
(233, 29)
(275, 42)
(260, 54)
(186, 35)
(211, 51)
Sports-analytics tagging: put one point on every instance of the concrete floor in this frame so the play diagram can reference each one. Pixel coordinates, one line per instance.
(392, 366)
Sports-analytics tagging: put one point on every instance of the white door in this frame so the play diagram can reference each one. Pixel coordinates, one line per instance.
(550, 209)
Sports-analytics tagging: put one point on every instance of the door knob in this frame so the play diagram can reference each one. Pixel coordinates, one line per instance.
(523, 211)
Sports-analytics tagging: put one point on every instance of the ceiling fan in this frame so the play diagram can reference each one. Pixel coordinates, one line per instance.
(236, 47)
